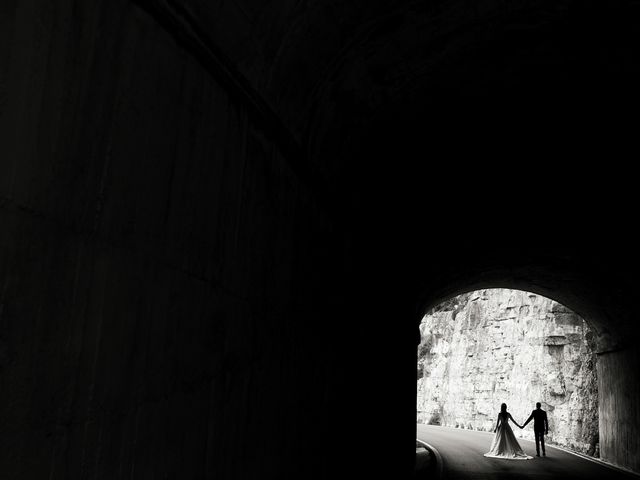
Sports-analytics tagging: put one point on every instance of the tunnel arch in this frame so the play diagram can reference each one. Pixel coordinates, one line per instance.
(498, 345)
(524, 287)
(601, 306)
(592, 314)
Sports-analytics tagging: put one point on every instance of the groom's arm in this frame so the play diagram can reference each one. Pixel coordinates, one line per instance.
(546, 424)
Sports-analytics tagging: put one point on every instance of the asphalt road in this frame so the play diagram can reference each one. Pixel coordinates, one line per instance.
(462, 454)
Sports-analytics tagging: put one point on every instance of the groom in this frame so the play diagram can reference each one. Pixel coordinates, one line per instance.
(540, 427)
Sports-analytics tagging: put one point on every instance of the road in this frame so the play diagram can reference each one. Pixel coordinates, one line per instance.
(462, 453)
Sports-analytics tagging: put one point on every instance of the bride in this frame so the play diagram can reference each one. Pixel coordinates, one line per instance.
(504, 443)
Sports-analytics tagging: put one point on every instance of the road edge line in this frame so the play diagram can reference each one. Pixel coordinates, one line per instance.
(436, 453)
(599, 461)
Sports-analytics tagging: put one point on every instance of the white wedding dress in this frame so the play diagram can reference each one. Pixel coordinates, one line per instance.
(505, 444)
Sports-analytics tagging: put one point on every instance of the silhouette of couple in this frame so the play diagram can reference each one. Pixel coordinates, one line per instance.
(505, 445)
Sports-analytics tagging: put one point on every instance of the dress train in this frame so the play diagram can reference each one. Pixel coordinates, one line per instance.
(505, 445)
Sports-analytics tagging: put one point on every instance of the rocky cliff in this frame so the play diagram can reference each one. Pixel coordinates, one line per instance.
(487, 347)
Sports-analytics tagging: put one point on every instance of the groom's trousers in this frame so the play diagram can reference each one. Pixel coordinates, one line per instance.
(539, 434)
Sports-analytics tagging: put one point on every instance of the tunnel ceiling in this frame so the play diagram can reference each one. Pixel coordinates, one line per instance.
(334, 66)
(351, 80)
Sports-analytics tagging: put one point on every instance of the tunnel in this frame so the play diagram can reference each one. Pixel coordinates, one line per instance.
(492, 346)
(222, 222)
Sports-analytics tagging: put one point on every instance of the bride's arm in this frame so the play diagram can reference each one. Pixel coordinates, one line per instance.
(497, 425)
(514, 421)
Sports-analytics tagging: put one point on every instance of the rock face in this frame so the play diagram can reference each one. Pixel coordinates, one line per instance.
(487, 347)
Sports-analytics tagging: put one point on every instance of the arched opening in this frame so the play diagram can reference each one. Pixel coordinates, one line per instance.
(485, 347)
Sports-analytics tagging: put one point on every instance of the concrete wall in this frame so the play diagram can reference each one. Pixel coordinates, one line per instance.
(619, 408)
(152, 243)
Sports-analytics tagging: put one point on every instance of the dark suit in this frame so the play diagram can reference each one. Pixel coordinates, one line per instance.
(540, 427)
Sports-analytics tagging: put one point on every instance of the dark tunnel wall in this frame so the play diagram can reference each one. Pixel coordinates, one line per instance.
(619, 443)
(152, 244)
(174, 299)
(190, 291)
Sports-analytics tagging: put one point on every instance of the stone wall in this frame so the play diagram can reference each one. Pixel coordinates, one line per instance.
(492, 346)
